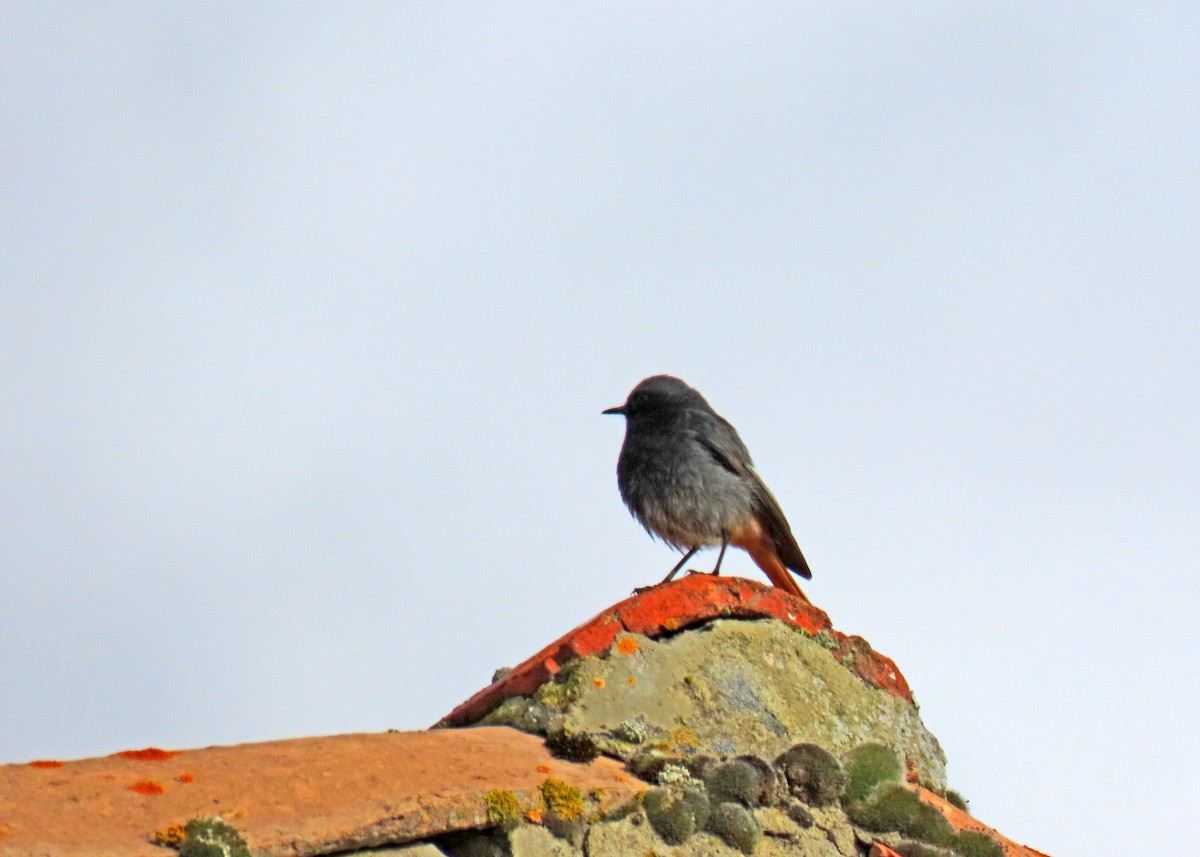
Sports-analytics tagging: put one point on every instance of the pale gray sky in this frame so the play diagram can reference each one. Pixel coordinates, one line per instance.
(308, 314)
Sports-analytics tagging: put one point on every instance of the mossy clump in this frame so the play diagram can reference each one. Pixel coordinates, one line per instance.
(894, 808)
(212, 837)
(676, 813)
(649, 762)
(908, 848)
(572, 746)
(736, 826)
(973, 843)
(562, 798)
(747, 780)
(813, 774)
(955, 799)
(503, 808)
(867, 767)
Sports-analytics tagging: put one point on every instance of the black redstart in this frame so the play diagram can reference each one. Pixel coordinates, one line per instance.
(687, 478)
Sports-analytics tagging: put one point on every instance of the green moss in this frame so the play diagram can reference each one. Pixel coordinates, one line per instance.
(503, 808)
(826, 640)
(893, 808)
(813, 774)
(745, 780)
(867, 767)
(955, 799)
(736, 826)
(972, 843)
(575, 747)
(649, 762)
(909, 848)
(212, 837)
(563, 799)
(676, 813)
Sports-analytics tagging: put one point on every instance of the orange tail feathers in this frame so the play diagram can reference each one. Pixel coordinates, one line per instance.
(756, 543)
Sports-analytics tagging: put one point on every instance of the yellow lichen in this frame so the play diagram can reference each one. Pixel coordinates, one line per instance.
(685, 737)
(503, 808)
(563, 799)
(170, 836)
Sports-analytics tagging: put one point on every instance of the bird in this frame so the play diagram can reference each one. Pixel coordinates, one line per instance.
(688, 478)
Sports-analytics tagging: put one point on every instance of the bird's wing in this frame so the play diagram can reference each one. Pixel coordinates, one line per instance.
(723, 443)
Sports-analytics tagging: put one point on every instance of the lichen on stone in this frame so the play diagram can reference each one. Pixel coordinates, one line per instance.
(503, 808)
(562, 798)
(212, 837)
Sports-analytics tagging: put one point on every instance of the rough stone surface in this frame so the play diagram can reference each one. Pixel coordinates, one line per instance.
(296, 798)
(672, 607)
(531, 841)
(726, 688)
(673, 680)
(834, 826)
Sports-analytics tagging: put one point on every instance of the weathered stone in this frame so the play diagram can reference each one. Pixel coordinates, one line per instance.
(423, 849)
(832, 822)
(529, 840)
(775, 822)
(627, 836)
(672, 607)
(738, 687)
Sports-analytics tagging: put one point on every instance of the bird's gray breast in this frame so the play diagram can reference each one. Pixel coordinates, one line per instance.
(677, 490)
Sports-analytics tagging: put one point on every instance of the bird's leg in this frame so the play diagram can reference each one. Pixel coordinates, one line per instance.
(724, 544)
(680, 564)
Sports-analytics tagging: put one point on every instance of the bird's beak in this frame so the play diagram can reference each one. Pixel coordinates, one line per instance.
(620, 409)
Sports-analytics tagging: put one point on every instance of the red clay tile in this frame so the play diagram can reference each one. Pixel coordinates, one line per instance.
(300, 797)
(960, 820)
(672, 607)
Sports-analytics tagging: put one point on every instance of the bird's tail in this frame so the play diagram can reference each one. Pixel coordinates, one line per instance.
(761, 548)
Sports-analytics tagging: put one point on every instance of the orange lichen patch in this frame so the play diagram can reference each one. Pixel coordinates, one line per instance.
(627, 645)
(150, 754)
(147, 787)
(631, 681)
(534, 816)
(542, 769)
(672, 607)
(878, 849)
(45, 763)
(620, 779)
(186, 778)
(598, 683)
(3, 831)
(171, 835)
